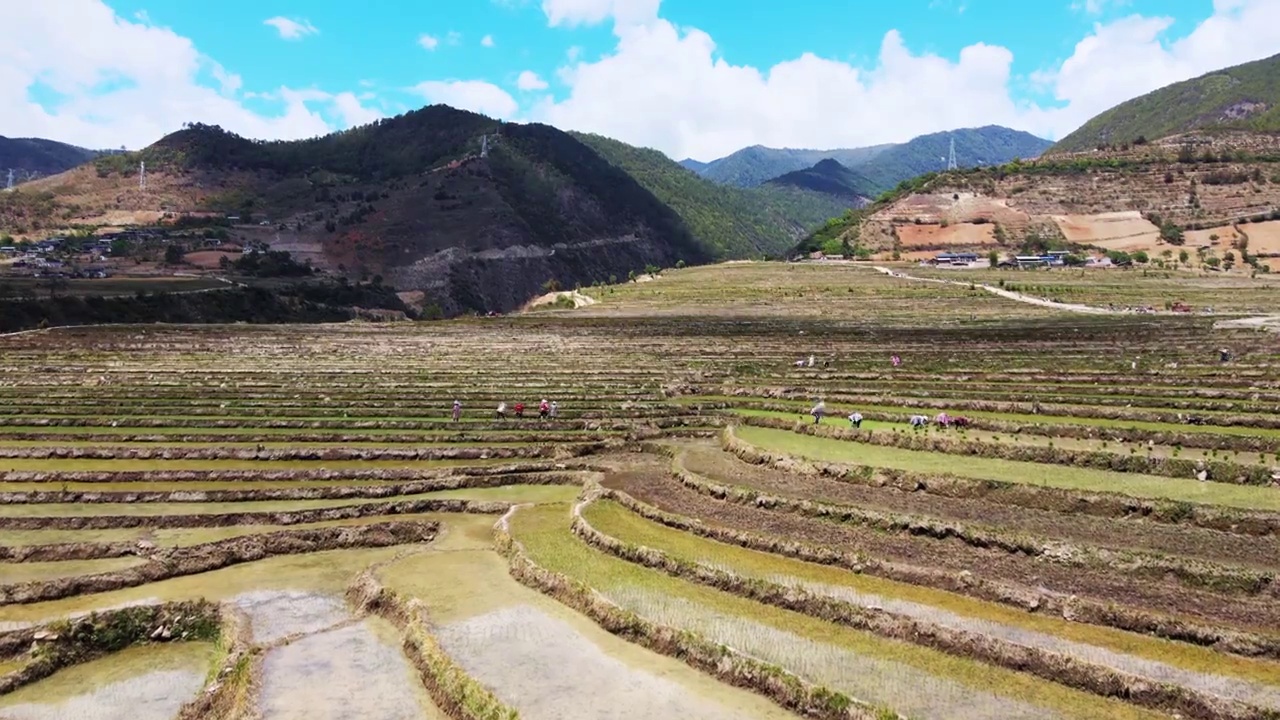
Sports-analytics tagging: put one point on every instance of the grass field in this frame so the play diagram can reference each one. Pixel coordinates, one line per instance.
(1100, 539)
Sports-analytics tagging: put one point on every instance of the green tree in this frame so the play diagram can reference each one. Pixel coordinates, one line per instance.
(1141, 257)
(1212, 262)
(993, 258)
(173, 255)
(1172, 234)
(1183, 257)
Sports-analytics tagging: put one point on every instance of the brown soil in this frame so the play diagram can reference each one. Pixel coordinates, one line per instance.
(1116, 534)
(960, 234)
(209, 259)
(652, 485)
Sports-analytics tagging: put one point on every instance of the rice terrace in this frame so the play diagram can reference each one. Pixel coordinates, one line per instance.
(287, 521)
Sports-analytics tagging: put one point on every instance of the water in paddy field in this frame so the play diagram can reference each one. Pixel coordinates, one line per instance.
(275, 615)
(353, 672)
(913, 692)
(142, 683)
(541, 666)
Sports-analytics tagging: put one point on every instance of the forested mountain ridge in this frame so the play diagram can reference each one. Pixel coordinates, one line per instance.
(30, 158)
(735, 222)
(830, 178)
(1242, 97)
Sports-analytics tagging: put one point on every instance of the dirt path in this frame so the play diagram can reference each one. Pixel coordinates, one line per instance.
(1008, 294)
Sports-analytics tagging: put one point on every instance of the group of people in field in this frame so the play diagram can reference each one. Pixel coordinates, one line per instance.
(545, 410)
(917, 421)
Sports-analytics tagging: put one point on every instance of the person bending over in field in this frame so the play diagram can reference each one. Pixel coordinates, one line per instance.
(855, 419)
(818, 411)
(544, 409)
(502, 411)
(519, 409)
(457, 410)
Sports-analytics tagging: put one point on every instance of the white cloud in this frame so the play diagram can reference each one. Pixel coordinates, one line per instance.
(529, 81)
(487, 41)
(571, 13)
(474, 95)
(666, 87)
(1096, 7)
(453, 38)
(133, 82)
(352, 113)
(428, 42)
(290, 29)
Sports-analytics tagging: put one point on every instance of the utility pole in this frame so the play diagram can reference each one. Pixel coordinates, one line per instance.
(9, 185)
(142, 175)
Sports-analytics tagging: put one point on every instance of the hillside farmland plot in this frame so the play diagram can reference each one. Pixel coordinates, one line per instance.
(281, 522)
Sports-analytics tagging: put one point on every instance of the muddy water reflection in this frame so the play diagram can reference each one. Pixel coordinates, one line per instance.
(143, 683)
(355, 672)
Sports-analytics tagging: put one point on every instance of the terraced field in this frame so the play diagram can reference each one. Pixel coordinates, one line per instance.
(287, 522)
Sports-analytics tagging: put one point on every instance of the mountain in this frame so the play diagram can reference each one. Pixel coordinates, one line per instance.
(1245, 97)
(734, 222)
(694, 165)
(414, 199)
(1210, 191)
(757, 164)
(32, 157)
(830, 178)
(990, 145)
(881, 166)
(477, 214)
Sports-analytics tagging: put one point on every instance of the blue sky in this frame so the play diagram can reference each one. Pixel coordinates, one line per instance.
(378, 41)
(696, 77)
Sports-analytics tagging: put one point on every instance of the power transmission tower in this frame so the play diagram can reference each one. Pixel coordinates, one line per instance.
(951, 158)
(9, 185)
(484, 146)
(142, 175)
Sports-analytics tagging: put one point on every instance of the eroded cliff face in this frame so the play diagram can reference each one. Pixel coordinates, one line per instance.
(502, 280)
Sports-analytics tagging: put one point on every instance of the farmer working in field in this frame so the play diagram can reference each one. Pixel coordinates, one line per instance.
(502, 411)
(519, 409)
(818, 411)
(457, 410)
(855, 419)
(555, 409)
(543, 409)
